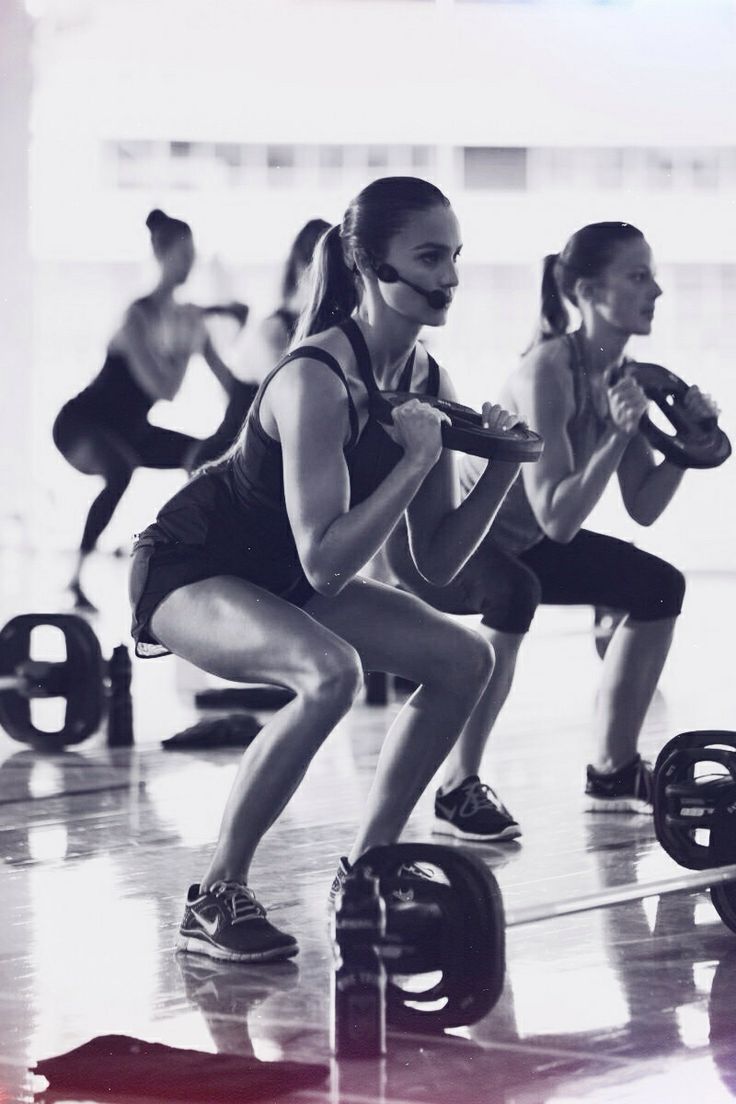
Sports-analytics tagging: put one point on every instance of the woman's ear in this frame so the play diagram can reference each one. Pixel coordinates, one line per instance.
(363, 263)
(587, 290)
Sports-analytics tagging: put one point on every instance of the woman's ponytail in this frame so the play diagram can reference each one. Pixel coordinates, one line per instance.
(332, 292)
(553, 317)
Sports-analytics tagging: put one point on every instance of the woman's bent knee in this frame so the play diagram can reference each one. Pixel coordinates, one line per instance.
(468, 665)
(662, 596)
(336, 678)
(508, 603)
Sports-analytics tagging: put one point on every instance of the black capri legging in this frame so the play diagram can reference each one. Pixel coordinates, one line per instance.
(94, 446)
(592, 569)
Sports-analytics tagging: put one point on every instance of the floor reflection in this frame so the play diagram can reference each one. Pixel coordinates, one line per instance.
(626, 1004)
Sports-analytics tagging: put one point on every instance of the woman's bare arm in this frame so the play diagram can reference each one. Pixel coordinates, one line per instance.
(561, 495)
(309, 405)
(444, 532)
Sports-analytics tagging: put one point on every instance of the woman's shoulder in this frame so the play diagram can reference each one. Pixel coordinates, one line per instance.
(543, 369)
(547, 360)
(332, 341)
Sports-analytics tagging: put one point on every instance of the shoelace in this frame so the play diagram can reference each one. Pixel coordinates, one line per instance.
(240, 900)
(480, 796)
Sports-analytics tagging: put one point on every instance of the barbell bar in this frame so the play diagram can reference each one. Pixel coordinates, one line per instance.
(619, 895)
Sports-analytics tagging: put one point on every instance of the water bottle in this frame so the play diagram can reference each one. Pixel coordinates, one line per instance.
(358, 1004)
(120, 715)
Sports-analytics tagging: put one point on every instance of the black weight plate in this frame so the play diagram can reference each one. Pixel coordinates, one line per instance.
(465, 936)
(684, 804)
(723, 853)
(79, 680)
(723, 897)
(244, 697)
(696, 443)
(466, 432)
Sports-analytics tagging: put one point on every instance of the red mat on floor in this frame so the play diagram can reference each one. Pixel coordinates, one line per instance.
(120, 1065)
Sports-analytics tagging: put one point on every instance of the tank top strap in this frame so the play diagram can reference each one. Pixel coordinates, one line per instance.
(433, 378)
(363, 359)
(405, 381)
(353, 333)
(311, 352)
(580, 389)
(433, 375)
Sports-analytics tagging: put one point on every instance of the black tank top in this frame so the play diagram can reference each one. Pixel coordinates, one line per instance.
(238, 506)
(370, 455)
(114, 395)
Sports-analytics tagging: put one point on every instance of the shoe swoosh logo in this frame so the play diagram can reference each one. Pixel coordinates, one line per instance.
(210, 926)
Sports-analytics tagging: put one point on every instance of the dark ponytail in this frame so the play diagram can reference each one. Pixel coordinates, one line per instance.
(300, 255)
(372, 219)
(588, 253)
(165, 231)
(554, 318)
(332, 292)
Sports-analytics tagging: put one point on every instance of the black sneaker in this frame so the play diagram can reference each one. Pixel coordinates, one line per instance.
(627, 790)
(472, 811)
(227, 922)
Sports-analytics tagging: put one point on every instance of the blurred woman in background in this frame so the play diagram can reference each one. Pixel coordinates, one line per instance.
(273, 339)
(104, 430)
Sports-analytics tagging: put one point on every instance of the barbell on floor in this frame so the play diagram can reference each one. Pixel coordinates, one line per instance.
(89, 686)
(454, 922)
(607, 897)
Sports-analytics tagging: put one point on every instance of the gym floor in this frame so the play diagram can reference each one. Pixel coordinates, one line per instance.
(631, 1003)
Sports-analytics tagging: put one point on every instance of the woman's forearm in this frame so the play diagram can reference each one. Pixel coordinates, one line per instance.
(575, 496)
(461, 530)
(219, 369)
(354, 538)
(655, 492)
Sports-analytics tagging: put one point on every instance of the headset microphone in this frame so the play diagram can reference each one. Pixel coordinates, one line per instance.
(437, 299)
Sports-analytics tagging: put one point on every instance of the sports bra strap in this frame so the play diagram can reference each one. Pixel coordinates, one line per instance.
(312, 352)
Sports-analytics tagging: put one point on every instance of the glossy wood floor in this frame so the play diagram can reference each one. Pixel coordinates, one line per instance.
(633, 1003)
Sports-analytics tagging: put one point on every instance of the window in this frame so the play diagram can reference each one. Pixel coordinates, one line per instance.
(495, 168)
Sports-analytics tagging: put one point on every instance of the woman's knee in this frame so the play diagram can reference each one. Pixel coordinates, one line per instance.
(465, 664)
(510, 601)
(334, 679)
(662, 593)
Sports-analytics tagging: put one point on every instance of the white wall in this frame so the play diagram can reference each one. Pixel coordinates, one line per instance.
(15, 260)
(634, 74)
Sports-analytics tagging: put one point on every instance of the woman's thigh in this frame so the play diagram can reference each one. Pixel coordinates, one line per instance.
(91, 446)
(397, 632)
(236, 630)
(161, 448)
(493, 583)
(596, 569)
